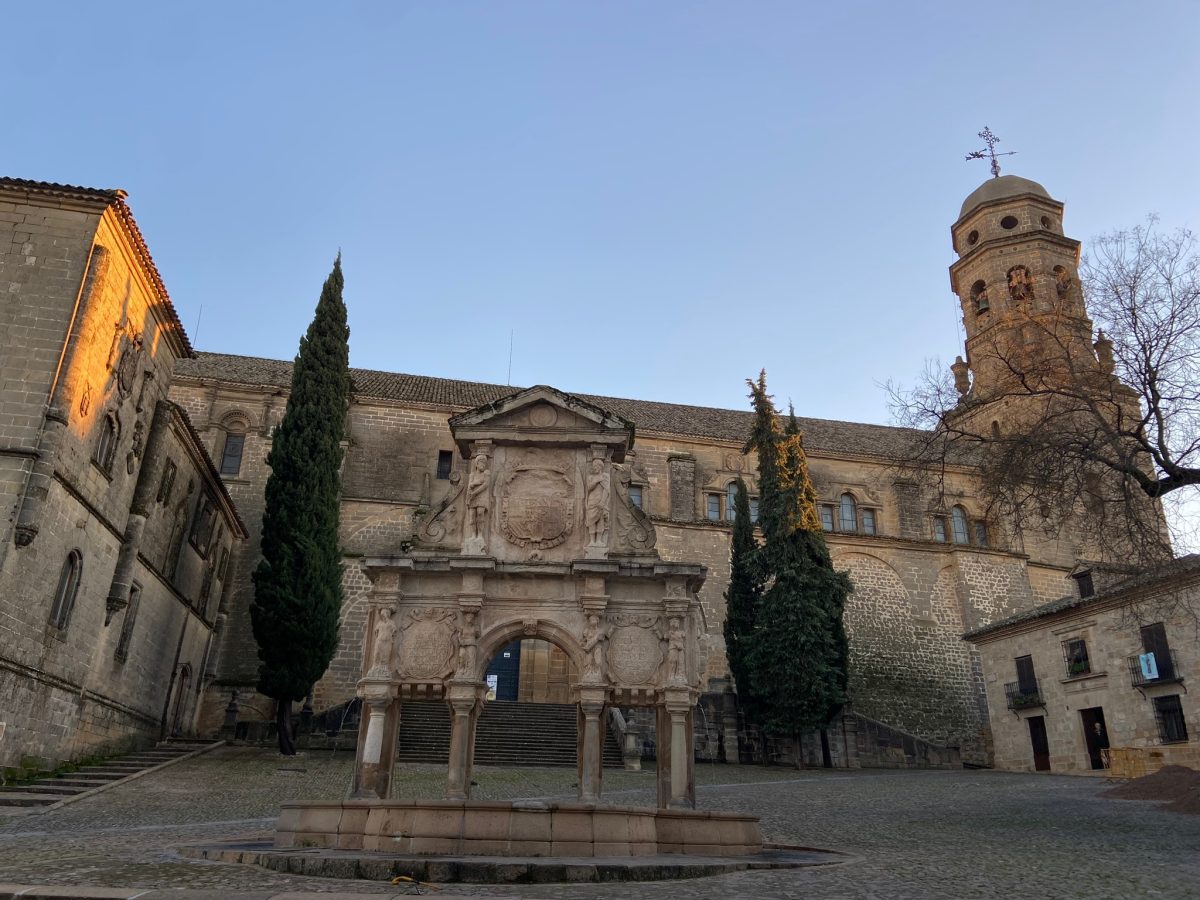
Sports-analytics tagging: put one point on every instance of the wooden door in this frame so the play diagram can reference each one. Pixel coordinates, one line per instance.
(1041, 746)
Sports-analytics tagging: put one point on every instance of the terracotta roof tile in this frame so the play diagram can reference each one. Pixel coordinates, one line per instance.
(650, 417)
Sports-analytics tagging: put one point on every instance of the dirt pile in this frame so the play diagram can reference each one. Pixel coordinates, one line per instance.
(1177, 784)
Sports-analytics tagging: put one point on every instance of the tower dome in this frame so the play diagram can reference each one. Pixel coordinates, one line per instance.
(1001, 188)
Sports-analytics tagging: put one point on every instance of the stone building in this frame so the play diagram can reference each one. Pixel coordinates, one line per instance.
(117, 532)
(926, 566)
(1106, 668)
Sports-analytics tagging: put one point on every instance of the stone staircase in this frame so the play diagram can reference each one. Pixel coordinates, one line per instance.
(69, 786)
(509, 734)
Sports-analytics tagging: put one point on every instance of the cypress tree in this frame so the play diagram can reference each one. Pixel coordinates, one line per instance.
(298, 583)
(799, 650)
(742, 598)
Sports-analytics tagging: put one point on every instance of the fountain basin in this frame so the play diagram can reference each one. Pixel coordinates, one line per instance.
(517, 828)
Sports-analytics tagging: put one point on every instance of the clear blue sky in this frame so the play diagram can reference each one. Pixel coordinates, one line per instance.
(660, 198)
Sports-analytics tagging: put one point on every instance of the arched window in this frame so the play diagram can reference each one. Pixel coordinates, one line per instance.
(958, 523)
(730, 500)
(106, 446)
(979, 297)
(68, 588)
(231, 456)
(847, 513)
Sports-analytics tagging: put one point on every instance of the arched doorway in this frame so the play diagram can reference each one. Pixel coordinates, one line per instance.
(531, 670)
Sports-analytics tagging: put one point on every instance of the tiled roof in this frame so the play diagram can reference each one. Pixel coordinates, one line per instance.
(647, 415)
(1183, 565)
(114, 197)
(65, 191)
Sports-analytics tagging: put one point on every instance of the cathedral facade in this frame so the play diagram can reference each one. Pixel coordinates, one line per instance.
(927, 567)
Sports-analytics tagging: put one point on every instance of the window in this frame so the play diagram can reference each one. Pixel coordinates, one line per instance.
(958, 520)
(1168, 713)
(979, 297)
(939, 529)
(168, 482)
(826, 517)
(68, 588)
(868, 521)
(1026, 677)
(445, 464)
(1154, 640)
(202, 525)
(231, 457)
(712, 509)
(1083, 581)
(635, 495)
(753, 509)
(1075, 656)
(847, 513)
(135, 597)
(106, 446)
(731, 500)
(981, 537)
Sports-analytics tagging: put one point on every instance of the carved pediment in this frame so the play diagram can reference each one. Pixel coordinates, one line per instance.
(545, 417)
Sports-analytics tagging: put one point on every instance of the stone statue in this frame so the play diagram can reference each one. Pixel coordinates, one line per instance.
(468, 646)
(593, 645)
(479, 499)
(676, 669)
(1020, 284)
(383, 641)
(596, 508)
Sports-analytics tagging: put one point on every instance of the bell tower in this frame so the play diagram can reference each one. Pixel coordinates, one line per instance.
(1017, 284)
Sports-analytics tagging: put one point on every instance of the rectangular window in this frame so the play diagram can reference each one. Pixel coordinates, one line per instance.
(1168, 713)
(1075, 656)
(1083, 581)
(981, 534)
(131, 611)
(753, 509)
(202, 526)
(231, 458)
(827, 518)
(868, 517)
(713, 507)
(1026, 678)
(635, 495)
(445, 464)
(939, 529)
(1154, 640)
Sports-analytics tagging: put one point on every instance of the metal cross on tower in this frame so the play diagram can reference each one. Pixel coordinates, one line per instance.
(991, 140)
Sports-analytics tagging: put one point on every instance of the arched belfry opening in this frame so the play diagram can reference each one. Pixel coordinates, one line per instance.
(539, 553)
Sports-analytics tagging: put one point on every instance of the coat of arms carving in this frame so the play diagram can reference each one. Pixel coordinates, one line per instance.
(537, 506)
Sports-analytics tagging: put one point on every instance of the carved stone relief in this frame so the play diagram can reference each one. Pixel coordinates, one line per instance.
(634, 649)
(444, 521)
(634, 533)
(537, 505)
(598, 488)
(427, 646)
(594, 637)
(383, 642)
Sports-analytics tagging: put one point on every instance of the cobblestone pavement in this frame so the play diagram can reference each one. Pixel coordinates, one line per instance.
(913, 834)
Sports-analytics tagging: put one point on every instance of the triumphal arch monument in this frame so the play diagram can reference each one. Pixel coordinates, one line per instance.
(539, 540)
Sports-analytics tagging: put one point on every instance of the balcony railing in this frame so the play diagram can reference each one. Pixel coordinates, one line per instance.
(1023, 696)
(1164, 671)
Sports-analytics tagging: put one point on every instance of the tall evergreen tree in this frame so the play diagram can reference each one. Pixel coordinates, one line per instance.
(799, 651)
(298, 583)
(742, 598)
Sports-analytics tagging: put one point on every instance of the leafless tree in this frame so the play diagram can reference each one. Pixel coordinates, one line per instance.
(1067, 433)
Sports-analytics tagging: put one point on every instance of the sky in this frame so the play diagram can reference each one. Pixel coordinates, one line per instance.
(654, 199)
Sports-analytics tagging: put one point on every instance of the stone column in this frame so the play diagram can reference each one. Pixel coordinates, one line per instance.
(591, 746)
(462, 741)
(676, 785)
(377, 733)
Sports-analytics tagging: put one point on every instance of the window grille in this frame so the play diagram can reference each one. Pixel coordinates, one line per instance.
(713, 507)
(444, 464)
(1168, 714)
(868, 521)
(827, 517)
(68, 589)
(1075, 657)
(939, 529)
(958, 521)
(848, 515)
(231, 457)
(635, 495)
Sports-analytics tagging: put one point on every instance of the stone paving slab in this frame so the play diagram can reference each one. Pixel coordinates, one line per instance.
(914, 834)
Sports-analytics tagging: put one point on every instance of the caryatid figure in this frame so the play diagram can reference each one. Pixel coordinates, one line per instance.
(383, 641)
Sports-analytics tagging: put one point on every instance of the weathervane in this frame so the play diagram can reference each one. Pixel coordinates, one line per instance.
(991, 140)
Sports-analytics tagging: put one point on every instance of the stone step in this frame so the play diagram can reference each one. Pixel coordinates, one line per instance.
(20, 798)
(70, 781)
(47, 787)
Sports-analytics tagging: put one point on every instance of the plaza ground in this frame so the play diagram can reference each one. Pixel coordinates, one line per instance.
(911, 833)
